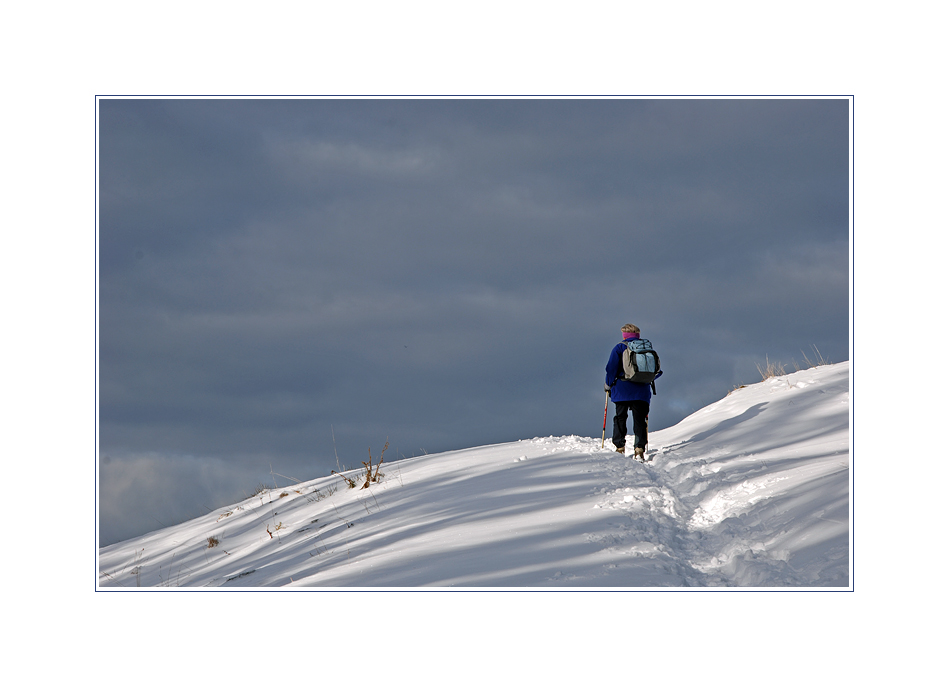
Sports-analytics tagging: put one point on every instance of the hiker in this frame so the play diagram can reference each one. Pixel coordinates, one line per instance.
(629, 396)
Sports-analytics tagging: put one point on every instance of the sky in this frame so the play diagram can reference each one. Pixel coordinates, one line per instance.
(284, 285)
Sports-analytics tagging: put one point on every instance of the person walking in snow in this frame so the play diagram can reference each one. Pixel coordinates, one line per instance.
(628, 397)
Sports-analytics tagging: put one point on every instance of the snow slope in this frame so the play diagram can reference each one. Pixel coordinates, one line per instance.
(753, 490)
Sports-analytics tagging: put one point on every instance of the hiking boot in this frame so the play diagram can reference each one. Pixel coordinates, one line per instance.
(638, 453)
(619, 450)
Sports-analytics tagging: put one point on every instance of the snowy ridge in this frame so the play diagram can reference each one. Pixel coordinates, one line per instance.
(751, 491)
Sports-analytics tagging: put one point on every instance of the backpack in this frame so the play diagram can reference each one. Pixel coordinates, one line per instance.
(640, 362)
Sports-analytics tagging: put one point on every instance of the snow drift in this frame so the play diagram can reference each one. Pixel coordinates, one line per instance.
(751, 491)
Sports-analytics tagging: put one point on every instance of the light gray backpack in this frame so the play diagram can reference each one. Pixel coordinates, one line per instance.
(640, 362)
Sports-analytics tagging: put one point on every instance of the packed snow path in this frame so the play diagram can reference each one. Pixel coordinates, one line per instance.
(750, 491)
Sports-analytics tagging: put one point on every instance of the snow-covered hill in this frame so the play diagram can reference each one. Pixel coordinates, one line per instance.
(750, 491)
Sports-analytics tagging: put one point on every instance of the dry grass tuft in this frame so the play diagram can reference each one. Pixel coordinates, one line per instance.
(771, 369)
(372, 477)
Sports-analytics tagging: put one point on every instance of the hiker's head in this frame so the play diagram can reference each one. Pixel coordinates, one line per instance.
(630, 331)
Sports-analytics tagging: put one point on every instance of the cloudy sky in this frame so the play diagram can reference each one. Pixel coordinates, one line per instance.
(284, 284)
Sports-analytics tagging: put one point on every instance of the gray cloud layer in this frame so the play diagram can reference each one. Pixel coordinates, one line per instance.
(439, 273)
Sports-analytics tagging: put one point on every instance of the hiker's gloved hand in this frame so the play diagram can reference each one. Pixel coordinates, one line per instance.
(606, 387)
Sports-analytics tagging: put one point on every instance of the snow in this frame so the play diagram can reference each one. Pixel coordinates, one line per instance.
(752, 491)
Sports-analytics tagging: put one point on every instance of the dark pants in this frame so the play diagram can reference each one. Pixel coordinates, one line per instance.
(640, 409)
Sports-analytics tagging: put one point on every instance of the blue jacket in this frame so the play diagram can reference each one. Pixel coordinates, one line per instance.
(621, 390)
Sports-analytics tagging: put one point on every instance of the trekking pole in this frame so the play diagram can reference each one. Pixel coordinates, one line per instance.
(603, 437)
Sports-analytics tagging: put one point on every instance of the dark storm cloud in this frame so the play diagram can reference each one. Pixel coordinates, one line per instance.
(447, 273)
